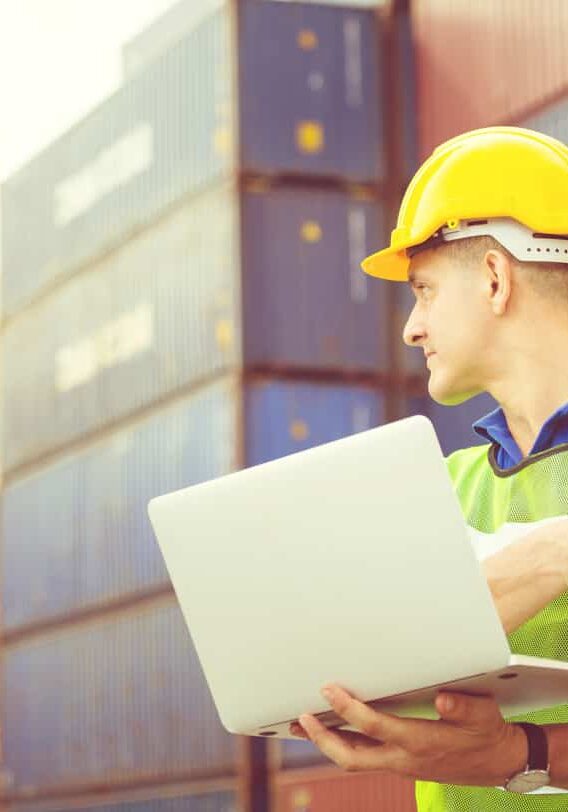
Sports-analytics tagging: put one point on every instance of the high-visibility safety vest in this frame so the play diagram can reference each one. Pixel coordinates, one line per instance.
(493, 500)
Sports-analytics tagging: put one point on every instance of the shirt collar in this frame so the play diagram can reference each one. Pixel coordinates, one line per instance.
(493, 427)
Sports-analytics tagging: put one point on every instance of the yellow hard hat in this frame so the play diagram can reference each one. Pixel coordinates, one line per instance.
(495, 172)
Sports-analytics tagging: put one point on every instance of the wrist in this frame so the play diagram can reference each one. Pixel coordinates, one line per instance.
(556, 735)
(513, 755)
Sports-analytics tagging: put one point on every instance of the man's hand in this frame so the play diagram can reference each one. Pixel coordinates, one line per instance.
(529, 574)
(471, 744)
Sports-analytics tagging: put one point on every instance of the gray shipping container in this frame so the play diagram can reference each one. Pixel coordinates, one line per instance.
(309, 102)
(121, 699)
(114, 172)
(553, 121)
(166, 310)
(175, 23)
(76, 533)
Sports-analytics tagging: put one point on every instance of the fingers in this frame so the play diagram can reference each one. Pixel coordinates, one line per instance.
(372, 723)
(348, 736)
(469, 712)
(350, 751)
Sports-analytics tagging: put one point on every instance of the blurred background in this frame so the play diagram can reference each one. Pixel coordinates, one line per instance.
(187, 192)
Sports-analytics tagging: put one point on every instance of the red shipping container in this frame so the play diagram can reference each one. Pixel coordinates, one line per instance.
(485, 63)
(332, 790)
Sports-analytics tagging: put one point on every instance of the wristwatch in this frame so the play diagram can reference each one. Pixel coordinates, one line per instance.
(537, 772)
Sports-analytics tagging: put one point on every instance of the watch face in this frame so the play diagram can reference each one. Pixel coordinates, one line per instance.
(528, 781)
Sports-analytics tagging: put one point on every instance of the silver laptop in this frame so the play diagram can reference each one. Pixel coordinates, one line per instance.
(349, 563)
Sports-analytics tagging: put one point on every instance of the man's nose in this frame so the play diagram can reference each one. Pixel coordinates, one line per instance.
(414, 332)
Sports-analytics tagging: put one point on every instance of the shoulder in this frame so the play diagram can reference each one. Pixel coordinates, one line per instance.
(468, 461)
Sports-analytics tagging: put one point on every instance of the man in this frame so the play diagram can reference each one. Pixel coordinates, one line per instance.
(482, 237)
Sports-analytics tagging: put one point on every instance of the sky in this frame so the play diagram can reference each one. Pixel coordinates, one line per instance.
(59, 59)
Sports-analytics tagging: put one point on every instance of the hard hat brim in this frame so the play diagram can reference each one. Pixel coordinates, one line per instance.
(390, 263)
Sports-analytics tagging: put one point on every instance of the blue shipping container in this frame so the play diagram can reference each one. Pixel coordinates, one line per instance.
(408, 360)
(453, 424)
(209, 802)
(309, 101)
(282, 417)
(121, 699)
(168, 309)
(311, 98)
(306, 301)
(77, 533)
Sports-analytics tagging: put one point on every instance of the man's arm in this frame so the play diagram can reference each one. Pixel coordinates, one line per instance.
(470, 745)
(528, 574)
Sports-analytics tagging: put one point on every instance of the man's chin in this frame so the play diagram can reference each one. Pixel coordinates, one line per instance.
(450, 395)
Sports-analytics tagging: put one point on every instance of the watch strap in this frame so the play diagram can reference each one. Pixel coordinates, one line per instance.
(538, 746)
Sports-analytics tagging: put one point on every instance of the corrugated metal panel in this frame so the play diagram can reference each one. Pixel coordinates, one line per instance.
(486, 63)
(306, 300)
(322, 65)
(183, 16)
(151, 142)
(338, 792)
(118, 700)
(282, 418)
(344, 3)
(164, 312)
(552, 121)
(300, 754)
(77, 533)
(453, 423)
(158, 314)
(176, 22)
(207, 802)
(314, 109)
(408, 102)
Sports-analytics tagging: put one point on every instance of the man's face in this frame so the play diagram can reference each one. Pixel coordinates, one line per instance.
(451, 320)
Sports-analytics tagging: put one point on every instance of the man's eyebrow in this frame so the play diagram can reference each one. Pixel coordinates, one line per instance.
(411, 277)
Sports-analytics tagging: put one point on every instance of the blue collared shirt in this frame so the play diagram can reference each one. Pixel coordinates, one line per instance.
(493, 427)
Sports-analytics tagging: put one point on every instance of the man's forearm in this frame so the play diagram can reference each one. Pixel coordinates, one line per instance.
(528, 575)
(519, 599)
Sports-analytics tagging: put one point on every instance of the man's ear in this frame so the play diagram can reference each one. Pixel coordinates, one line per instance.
(498, 270)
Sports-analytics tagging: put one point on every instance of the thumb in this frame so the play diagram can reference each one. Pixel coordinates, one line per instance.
(476, 712)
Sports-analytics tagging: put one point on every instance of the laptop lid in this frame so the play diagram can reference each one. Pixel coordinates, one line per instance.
(349, 562)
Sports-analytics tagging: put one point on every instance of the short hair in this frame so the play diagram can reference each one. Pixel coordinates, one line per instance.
(549, 279)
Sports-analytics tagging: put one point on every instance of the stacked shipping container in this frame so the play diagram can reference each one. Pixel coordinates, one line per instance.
(220, 801)
(174, 306)
(201, 111)
(100, 547)
(183, 297)
(152, 257)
